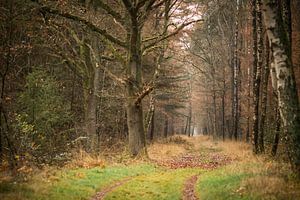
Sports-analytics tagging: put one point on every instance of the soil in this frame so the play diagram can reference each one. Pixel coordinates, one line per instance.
(189, 189)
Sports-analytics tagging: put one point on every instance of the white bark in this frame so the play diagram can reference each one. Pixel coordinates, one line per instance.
(285, 80)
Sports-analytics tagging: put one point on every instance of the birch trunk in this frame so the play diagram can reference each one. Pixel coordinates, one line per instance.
(286, 86)
(150, 118)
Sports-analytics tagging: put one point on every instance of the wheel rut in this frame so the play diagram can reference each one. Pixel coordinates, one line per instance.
(189, 189)
(100, 195)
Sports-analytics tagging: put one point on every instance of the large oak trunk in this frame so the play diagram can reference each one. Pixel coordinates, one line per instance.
(135, 127)
(135, 120)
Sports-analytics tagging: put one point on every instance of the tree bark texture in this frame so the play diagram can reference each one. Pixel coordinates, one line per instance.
(286, 86)
(256, 77)
(134, 72)
(264, 95)
(91, 88)
(236, 79)
(277, 131)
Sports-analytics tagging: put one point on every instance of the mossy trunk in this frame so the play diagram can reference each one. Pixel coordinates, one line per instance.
(90, 119)
(91, 88)
(135, 127)
(135, 122)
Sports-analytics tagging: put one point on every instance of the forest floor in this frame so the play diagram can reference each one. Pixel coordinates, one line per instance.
(177, 168)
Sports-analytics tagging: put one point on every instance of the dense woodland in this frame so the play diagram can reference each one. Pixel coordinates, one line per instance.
(96, 75)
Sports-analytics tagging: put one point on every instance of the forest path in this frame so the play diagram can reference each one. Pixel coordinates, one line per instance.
(178, 168)
(189, 189)
(178, 174)
(100, 195)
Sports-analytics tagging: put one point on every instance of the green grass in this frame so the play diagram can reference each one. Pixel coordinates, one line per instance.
(72, 184)
(161, 185)
(225, 183)
(248, 177)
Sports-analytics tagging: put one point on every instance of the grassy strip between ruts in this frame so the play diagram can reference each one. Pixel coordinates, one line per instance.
(163, 185)
(71, 184)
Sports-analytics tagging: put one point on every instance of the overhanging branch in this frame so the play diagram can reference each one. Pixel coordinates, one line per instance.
(182, 26)
(117, 16)
(89, 24)
(147, 90)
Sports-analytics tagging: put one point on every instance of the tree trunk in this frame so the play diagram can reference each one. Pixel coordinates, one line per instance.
(256, 76)
(214, 104)
(135, 127)
(5, 131)
(150, 118)
(189, 122)
(275, 102)
(232, 123)
(172, 130)
(286, 85)
(90, 119)
(223, 111)
(152, 126)
(277, 132)
(248, 105)
(235, 80)
(91, 88)
(135, 121)
(264, 95)
(166, 127)
(186, 125)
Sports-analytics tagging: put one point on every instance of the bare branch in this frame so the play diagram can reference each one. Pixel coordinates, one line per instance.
(141, 3)
(182, 26)
(148, 8)
(112, 75)
(109, 73)
(111, 59)
(89, 24)
(128, 5)
(117, 16)
(147, 90)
